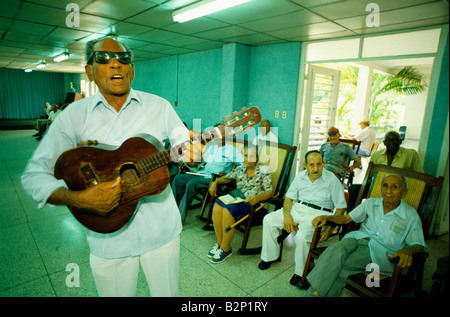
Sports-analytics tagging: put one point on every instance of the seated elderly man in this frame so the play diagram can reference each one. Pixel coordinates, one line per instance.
(218, 159)
(313, 192)
(396, 155)
(337, 154)
(391, 228)
(393, 155)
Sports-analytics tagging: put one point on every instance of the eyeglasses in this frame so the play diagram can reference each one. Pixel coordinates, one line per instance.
(104, 57)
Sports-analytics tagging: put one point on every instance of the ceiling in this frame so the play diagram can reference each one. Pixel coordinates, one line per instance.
(36, 30)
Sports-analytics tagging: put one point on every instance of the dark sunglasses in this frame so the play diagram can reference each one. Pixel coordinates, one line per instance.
(104, 57)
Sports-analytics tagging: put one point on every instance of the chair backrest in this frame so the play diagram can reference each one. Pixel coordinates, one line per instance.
(423, 190)
(353, 143)
(373, 148)
(279, 158)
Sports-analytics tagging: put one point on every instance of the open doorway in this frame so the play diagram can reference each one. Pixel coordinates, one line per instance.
(358, 79)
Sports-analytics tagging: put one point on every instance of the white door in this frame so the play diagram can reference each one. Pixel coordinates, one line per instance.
(319, 109)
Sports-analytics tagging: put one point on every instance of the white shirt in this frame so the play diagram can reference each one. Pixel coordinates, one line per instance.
(326, 191)
(157, 219)
(367, 138)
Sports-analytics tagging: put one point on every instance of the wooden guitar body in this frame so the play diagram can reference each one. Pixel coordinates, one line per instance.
(84, 167)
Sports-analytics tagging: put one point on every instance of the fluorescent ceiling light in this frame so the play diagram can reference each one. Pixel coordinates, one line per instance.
(41, 65)
(61, 57)
(203, 8)
(28, 70)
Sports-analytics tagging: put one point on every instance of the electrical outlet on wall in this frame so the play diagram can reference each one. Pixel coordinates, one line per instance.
(283, 115)
(277, 113)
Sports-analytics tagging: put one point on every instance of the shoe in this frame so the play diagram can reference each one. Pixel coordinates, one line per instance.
(221, 256)
(213, 251)
(264, 265)
(39, 138)
(295, 279)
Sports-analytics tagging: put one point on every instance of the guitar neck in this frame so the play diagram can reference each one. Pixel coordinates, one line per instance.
(175, 153)
(230, 126)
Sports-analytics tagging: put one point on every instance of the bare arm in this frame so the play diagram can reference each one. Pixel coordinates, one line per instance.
(356, 164)
(213, 187)
(253, 200)
(337, 219)
(406, 255)
(326, 233)
(289, 224)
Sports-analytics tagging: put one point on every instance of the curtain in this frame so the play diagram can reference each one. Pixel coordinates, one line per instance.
(23, 95)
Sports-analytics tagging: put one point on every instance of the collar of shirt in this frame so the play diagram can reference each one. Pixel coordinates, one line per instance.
(100, 99)
(399, 211)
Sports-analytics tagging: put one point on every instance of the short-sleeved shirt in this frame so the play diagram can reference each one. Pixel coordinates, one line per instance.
(367, 138)
(336, 157)
(389, 232)
(405, 158)
(326, 191)
(260, 183)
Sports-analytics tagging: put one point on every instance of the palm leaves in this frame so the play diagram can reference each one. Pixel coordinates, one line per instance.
(408, 81)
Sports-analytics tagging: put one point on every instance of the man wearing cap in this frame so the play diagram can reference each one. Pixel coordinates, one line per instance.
(337, 155)
(366, 136)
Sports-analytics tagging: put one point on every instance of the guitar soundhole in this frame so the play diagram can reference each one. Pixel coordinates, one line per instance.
(129, 174)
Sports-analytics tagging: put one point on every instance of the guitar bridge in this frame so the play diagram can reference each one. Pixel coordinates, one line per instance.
(89, 175)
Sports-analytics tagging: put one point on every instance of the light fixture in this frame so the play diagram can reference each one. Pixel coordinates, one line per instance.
(28, 70)
(61, 57)
(203, 8)
(41, 65)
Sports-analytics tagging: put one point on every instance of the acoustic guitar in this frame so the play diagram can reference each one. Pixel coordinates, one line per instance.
(141, 163)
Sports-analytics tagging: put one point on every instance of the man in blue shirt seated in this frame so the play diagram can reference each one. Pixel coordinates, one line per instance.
(391, 228)
(337, 154)
(218, 160)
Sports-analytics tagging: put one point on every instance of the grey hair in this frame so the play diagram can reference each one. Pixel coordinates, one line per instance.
(90, 47)
(403, 180)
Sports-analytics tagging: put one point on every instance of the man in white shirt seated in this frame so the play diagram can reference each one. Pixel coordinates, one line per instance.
(366, 136)
(265, 135)
(314, 192)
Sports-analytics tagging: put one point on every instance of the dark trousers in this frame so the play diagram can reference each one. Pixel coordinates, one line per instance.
(184, 188)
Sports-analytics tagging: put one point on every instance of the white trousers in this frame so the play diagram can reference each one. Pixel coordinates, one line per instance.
(273, 223)
(118, 277)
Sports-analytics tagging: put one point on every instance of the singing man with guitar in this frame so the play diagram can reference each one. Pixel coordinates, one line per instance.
(122, 231)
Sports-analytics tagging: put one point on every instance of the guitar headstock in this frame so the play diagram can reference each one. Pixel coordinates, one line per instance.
(239, 121)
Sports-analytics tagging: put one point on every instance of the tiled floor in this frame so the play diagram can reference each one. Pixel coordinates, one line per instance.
(36, 246)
